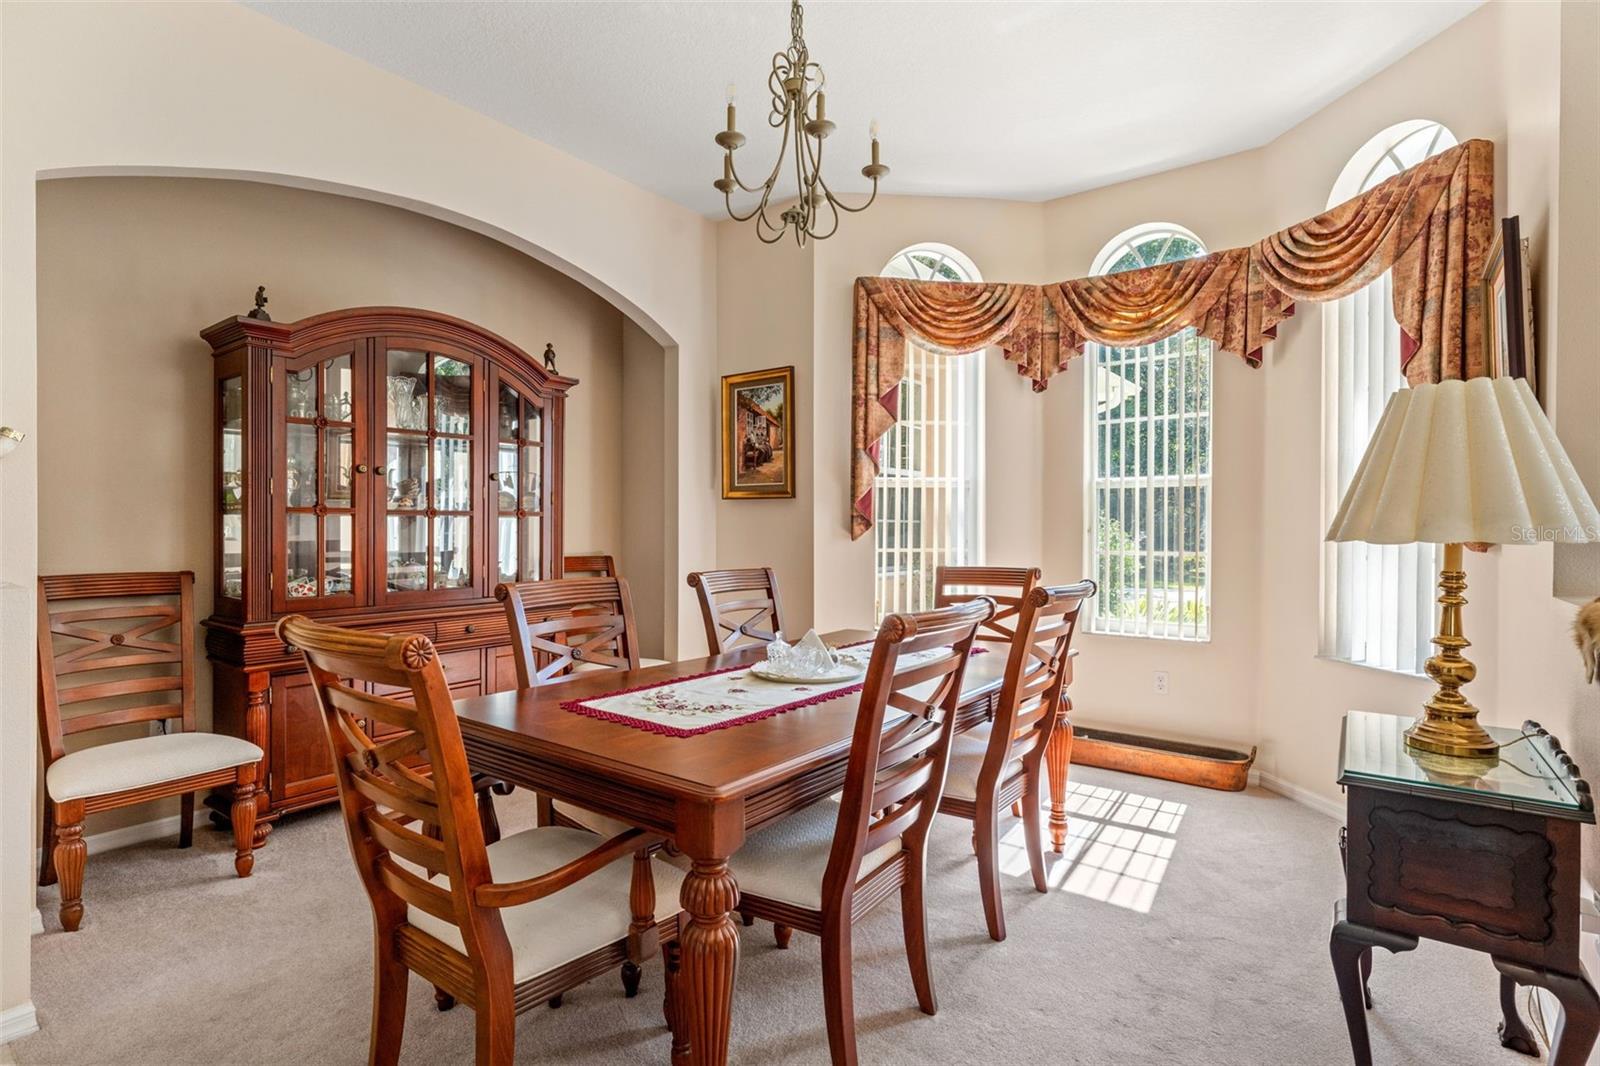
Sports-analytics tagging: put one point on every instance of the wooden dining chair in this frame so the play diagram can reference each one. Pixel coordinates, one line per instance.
(750, 613)
(823, 868)
(1007, 586)
(501, 927)
(118, 650)
(1001, 763)
(560, 628)
(598, 564)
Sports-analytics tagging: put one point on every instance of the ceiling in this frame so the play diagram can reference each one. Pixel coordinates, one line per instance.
(1024, 101)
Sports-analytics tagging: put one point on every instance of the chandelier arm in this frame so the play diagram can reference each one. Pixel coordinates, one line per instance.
(841, 205)
(833, 205)
(777, 165)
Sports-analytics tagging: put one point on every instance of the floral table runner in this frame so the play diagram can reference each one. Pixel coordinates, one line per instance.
(689, 706)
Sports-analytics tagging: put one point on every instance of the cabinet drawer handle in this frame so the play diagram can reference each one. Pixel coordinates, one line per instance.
(472, 629)
(361, 468)
(380, 471)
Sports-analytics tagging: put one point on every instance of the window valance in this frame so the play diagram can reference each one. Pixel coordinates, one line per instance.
(1432, 225)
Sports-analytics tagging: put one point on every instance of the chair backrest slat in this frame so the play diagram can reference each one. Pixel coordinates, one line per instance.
(381, 796)
(557, 626)
(896, 771)
(747, 620)
(138, 643)
(1035, 677)
(1008, 586)
(589, 564)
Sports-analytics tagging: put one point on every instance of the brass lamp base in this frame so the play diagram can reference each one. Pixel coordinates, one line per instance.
(1449, 722)
(1460, 737)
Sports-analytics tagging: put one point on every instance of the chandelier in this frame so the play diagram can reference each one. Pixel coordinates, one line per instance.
(799, 108)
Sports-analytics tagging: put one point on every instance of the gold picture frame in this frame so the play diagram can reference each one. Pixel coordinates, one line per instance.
(758, 456)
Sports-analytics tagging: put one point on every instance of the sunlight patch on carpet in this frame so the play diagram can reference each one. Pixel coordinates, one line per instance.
(1118, 846)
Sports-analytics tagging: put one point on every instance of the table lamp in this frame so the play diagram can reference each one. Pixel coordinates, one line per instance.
(1462, 462)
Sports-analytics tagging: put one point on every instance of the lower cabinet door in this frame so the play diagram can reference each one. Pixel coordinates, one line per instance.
(502, 669)
(302, 765)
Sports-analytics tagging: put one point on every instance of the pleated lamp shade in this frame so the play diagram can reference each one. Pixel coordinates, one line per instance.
(1461, 462)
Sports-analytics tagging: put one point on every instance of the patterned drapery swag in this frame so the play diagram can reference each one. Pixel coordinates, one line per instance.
(1432, 225)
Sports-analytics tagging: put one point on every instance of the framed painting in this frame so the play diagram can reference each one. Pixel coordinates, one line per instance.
(1508, 306)
(758, 434)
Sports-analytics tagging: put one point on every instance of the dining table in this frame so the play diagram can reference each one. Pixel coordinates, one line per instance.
(704, 792)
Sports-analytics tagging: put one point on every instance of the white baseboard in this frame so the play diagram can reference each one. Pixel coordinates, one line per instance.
(18, 1021)
(138, 833)
(1305, 797)
(38, 921)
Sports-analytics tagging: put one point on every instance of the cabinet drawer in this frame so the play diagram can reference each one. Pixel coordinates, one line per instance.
(476, 627)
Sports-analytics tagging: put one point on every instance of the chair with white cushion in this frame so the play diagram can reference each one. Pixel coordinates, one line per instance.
(501, 927)
(1001, 762)
(820, 870)
(117, 651)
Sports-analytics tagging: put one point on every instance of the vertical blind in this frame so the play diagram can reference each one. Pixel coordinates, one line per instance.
(1150, 488)
(928, 496)
(1377, 599)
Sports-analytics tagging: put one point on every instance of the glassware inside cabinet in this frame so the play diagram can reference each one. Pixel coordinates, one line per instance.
(231, 511)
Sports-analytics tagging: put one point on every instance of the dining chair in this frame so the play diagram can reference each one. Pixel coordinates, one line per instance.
(559, 629)
(1001, 762)
(118, 650)
(501, 927)
(599, 564)
(823, 868)
(751, 613)
(571, 624)
(1007, 586)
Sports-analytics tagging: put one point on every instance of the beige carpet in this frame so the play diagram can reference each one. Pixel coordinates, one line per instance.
(1185, 926)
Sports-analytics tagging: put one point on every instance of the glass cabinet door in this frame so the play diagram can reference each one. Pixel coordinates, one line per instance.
(428, 473)
(518, 484)
(321, 459)
(231, 506)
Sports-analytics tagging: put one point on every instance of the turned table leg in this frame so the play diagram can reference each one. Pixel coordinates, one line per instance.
(709, 958)
(1057, 757)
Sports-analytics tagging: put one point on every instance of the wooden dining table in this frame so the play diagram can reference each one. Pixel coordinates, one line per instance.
(705, 792)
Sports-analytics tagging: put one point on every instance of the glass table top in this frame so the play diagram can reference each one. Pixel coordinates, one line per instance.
(1532, 772)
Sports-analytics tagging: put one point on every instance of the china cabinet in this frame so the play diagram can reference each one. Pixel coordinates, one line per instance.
(382, 468)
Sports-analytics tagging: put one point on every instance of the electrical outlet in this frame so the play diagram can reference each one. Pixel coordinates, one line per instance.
(1161, 682)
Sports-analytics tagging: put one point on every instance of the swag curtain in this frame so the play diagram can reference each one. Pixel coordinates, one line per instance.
(1431, 225)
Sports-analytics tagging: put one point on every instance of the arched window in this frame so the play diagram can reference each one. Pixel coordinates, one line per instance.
(1377, 599)
(1148, 477)
(928, 499)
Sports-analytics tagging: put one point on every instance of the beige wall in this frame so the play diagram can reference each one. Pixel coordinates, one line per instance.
(641, 550)
(217, 89)
(764, 300)
(130, 269)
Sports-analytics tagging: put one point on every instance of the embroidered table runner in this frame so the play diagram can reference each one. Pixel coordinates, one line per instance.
(689, 706)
